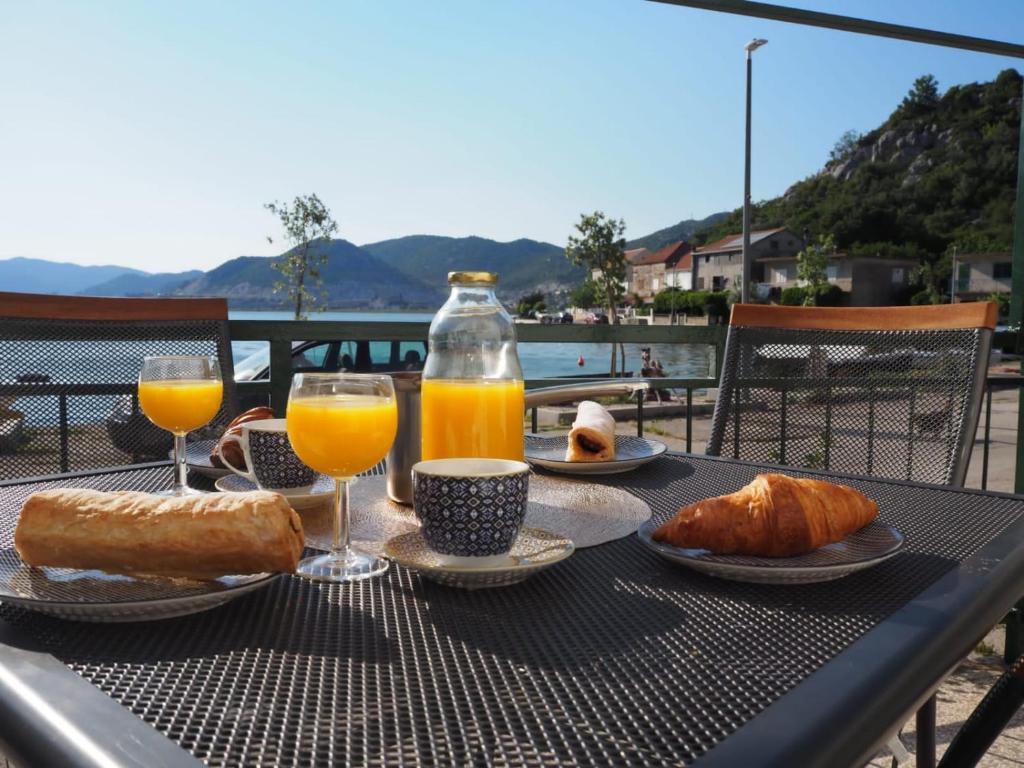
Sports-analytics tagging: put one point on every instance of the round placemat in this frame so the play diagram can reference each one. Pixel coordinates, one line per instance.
(586, 513)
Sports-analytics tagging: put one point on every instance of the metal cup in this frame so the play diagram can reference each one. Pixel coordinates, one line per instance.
(405, 451)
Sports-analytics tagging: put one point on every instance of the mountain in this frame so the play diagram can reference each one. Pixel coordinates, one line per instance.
(940, 171)
(684, 230)
(143, 284)
(352, 278)
(522, 265)
(42, 276)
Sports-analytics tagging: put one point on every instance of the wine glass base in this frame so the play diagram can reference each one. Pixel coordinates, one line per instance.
(346, 565)
(177, 492)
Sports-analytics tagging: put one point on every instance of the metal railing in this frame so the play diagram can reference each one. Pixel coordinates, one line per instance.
(280, 334)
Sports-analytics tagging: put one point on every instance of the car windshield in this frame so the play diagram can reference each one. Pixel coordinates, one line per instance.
(246, 370)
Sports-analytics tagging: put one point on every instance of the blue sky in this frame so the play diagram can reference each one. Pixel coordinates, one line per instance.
(150, 134)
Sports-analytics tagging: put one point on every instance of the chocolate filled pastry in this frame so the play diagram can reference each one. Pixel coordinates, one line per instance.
(234, 428)
(773, 516)
(593, 434)
(198, 537)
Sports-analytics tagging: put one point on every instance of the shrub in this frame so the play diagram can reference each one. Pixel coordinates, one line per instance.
(828, 296)
(793, 296)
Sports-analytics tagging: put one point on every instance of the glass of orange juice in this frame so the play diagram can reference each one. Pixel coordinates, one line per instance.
(341, 424)
(180, 393)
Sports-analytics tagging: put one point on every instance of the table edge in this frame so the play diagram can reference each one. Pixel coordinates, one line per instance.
(936, 630)
(52, 716)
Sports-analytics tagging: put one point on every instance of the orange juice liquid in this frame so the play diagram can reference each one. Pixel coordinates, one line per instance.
(473, 418)
(342, 435)
(180, 405)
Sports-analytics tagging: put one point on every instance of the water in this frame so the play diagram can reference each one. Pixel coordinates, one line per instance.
(550, 360)
(539, 360)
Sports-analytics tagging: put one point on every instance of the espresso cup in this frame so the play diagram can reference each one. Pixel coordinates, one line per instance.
(470, 507)
(273, 465)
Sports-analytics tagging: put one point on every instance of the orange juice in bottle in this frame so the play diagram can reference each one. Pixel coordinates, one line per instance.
(472, 396)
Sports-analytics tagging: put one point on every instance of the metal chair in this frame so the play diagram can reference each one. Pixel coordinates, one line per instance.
(68, 372)
(891, 392)
(988, 720)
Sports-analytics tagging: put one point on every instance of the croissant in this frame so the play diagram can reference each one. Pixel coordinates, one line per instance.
(773, 516)
(235, 428)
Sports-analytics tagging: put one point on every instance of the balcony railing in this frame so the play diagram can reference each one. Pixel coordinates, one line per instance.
(281, 334)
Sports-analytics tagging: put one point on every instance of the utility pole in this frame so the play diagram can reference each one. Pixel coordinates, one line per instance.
(750, 47)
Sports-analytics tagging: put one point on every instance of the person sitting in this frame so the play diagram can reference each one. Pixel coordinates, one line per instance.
(412, 360)
(347, 364)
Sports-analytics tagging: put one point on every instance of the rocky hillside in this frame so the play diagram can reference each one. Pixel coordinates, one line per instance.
(941, 170)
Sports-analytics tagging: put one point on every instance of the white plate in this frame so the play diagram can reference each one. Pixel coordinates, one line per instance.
(102, 597)
(533, 551)
(197, 456)
(630, 453)
(866, 548)
(322, 490)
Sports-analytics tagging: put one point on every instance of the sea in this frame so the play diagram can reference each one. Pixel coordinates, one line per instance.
(539, 360)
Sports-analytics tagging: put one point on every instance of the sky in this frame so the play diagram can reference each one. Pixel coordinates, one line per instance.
(151, 134)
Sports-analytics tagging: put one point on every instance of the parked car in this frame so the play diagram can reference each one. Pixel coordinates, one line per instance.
(348, 356)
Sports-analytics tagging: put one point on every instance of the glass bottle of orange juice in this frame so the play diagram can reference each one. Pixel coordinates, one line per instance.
(472, 397)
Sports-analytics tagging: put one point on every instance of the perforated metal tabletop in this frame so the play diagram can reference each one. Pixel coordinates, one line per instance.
(612, 657)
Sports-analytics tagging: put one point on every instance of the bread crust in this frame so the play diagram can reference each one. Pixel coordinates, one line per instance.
(773, 516)
(197, 537)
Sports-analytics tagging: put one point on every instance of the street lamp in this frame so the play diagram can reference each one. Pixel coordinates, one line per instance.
(750, 47)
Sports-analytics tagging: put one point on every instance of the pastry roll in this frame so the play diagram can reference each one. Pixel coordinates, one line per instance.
(196, 537)
(593, 434)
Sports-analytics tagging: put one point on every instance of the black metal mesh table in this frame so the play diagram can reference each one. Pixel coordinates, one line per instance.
(614, 656)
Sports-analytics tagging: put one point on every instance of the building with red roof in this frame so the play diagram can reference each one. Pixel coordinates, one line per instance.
(651, 272)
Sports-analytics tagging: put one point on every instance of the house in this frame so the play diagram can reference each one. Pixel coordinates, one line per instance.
(681, 274)
(718, 266)
(632, 256)
(651, 271)
(982, 274)
(868, 280)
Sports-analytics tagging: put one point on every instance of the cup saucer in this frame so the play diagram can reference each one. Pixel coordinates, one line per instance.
(534, 550)
(323, 488)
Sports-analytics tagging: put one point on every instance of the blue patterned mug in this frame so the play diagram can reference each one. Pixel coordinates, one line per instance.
(272, 463)
(470, 507)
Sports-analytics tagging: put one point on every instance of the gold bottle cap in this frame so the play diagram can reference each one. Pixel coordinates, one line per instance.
(488, 278)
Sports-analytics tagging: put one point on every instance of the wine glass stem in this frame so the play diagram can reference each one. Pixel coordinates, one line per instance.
(180, 466)
(341, 527)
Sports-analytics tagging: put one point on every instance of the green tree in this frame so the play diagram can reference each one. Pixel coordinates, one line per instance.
(531, 302)
(932, 277)
(812, 267)
(844, 146)
(922, 98)
(601, 248)
(308, 226)
(586, 295)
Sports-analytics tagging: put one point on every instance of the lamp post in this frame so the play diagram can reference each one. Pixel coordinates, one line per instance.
(750, 47)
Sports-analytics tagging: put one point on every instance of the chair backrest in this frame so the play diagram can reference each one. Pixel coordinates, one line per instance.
(886, 391)
(68, 372)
